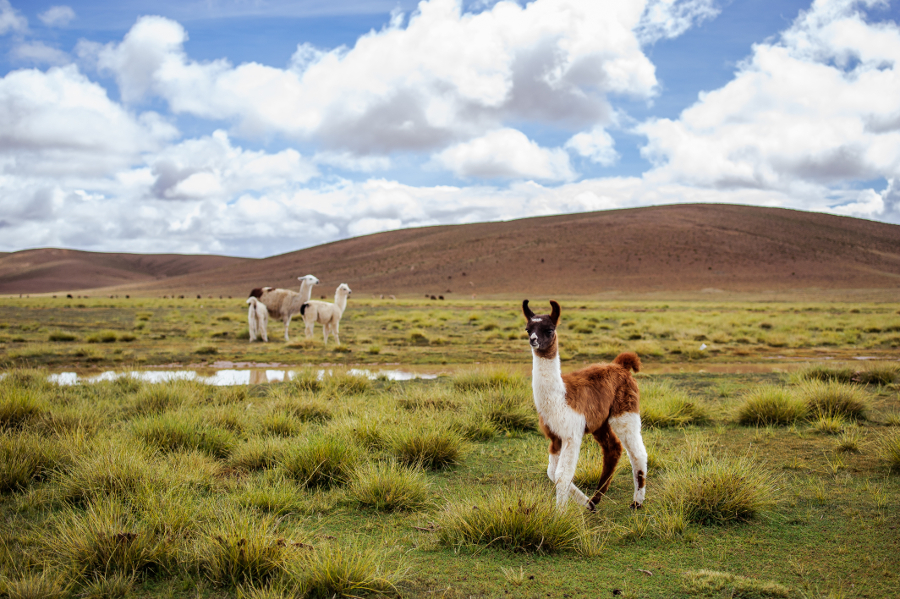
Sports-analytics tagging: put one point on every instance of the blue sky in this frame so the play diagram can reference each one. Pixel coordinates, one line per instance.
(254, 128)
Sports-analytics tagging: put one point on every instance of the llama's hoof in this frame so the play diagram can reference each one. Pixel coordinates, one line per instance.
(636, 506)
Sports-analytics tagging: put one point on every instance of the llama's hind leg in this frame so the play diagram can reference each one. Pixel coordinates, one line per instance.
(628, 428)
(612, 451)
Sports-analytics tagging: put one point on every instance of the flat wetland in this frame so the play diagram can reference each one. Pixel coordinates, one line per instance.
(774, 451)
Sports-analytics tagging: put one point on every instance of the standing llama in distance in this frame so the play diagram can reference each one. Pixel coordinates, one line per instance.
(257, 320)
(284, 303)
(602, 400)
(328, 315)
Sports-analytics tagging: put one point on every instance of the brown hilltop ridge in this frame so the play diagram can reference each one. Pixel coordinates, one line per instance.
(635, 251)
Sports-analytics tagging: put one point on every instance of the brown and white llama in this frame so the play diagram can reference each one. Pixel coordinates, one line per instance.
(602, 400)
(284, 303)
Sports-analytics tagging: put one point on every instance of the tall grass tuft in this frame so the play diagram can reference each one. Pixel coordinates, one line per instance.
(431, 447)
(718, 490)
(114, 586)
(160, 397)
(516, 518)
(722, 584)
(306, 380)
(258, 453)
(771, 405)
(27, 457)
(334, 571)
(19, 406)
(105, 468)
(485, 379)
(823, 373)
(340, 384)
(662, 406)
(238, 548)
(34, 585)
(175, 431)
(834, 399)
(877, 373)
(321, 462)
(388, 487)
(507, 408)
(103, 540)
(889, 450)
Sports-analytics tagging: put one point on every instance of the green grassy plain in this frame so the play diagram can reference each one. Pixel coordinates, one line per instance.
(98, 332)
(348, 486)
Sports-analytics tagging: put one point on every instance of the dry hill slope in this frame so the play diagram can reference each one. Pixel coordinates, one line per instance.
(49, 270)
(643, 250)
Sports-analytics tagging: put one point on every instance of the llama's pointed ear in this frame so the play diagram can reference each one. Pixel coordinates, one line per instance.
(526, 310)
(554, 315)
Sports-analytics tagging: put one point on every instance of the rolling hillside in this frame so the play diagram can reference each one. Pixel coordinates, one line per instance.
(644, 250)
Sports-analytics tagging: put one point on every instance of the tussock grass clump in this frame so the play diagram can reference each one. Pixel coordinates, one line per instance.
(103, 540)
(485, 379)
(829, 424)
(19, 406)
(835, 399)
(823, 373)
(718, 490)
(516, 518)
(106, 468)
(114, 586)
(771, 405)
(272, 493)
(432, 448)
(340, 384)
(25, 458)
(321, 462)
(335, 571)
(305, 410)
(428, 398)
(472, 427)
(711, 583)
(305, 380)
(889, 450)
(849, 441)
(156, 398)
(61, 336)
(34, 585)
(389, 486)
(877, 373)
(280, 423)
(175, 431)
(25, 378)
(238, 547)
(662, 406)
(508, 409)
(258, 453)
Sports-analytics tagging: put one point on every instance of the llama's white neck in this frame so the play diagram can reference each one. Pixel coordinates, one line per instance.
(547, 384)
(305, 290)
(340, 301)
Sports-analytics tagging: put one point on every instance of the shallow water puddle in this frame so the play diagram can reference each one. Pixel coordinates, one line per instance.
(224, 377)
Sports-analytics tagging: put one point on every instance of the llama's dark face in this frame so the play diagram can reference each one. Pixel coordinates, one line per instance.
(541, 328)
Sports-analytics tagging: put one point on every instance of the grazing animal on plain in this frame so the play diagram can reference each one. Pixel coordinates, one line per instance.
(284, 303)
(602, 400)
(257, 320)
(328, 315)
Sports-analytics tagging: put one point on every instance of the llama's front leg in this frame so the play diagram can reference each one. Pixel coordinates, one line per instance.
(565, 472)
(628, 428)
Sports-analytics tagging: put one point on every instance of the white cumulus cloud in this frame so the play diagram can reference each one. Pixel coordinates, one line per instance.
(807, 113)
(57, 16)
(506, 153)
(11, 19)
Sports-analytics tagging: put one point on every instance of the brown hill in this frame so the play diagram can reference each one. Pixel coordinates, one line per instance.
(678, 248)
(48, 270)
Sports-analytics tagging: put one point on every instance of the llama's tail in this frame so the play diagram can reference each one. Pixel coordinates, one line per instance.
(629, 359)
(252, 301)
(303, 308)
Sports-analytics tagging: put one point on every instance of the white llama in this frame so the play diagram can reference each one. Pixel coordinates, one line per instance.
(602, 400)
(257, 320)
(328, 315)
(284, 303)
